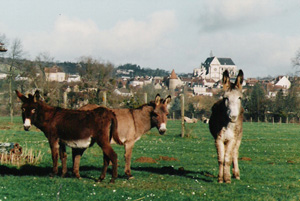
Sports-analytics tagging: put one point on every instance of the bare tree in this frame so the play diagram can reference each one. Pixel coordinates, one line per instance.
(42, 61)
(15, 54)
(296, 61)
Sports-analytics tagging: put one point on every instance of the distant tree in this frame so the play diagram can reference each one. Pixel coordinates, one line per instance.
(95, 73)
(176, 107)
(138, 71)
(292, 102)
(256, 105)
(279, 106)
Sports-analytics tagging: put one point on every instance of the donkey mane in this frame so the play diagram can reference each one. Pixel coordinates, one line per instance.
(151, 104)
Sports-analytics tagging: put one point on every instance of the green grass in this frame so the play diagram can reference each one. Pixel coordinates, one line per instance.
(272, 173)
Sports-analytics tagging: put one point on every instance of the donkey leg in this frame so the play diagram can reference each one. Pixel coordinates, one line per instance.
(221, 153)
(54, 151)
(76, 156)
(105, 165)
(128, 154)
(112, 156)
(228, 160)
(235, 162)
(63, 158)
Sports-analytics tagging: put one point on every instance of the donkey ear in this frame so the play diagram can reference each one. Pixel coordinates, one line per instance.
(167, 100)
(21, 96)
(157, 99)
(36, 96)
(239, 80)
(226, 80)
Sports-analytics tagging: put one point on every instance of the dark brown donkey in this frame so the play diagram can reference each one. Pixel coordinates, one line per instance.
(133, 123)
(226, 126)
(74, 128)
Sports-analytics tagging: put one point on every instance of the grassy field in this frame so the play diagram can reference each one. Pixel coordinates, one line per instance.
(165, 167)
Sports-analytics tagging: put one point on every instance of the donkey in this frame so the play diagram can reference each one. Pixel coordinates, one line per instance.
(74, 128)
(133, 123)
(226, 126)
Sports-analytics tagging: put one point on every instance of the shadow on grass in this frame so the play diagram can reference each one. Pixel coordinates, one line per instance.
(205, 176)
(25, 170)
(29, 170)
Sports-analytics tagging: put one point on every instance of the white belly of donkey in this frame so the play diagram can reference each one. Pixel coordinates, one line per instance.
(81, 143)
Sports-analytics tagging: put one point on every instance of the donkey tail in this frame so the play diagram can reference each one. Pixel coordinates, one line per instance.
(114, 130)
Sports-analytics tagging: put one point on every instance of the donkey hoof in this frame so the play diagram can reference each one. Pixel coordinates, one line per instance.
(130, 177)
(228, 182)
(99, 180)
(112, 181)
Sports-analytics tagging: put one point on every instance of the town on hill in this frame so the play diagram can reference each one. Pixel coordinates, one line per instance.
(85, 81)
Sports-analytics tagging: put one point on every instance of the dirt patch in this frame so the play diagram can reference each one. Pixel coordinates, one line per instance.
(167, 158)
(4, 128)
(144, 159)
(245, 159)
(291, 162)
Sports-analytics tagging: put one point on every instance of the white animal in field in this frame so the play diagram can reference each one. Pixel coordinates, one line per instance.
(226, 126)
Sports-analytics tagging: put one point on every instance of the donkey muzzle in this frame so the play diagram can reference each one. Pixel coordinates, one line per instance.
(162, 129)
(27, 124)
(233, 119)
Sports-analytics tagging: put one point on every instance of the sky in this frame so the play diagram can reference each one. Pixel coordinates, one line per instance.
(260, 36)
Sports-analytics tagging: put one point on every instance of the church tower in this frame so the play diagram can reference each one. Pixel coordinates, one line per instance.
(173, 81)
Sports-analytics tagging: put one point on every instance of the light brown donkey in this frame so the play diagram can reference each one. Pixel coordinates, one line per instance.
(133, 123)
(226, 126)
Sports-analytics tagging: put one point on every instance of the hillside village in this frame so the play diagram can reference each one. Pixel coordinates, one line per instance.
(203, 81)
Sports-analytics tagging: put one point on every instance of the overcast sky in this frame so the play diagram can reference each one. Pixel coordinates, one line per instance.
(261, 36)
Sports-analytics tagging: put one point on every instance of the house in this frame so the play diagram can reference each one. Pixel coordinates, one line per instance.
(209, 83)
(2, 48)
(123, 92)
(140, 81)
(74, 78)
(55, 74)
(251, 82)
(200, 90)
(283, 82)
(3, 76)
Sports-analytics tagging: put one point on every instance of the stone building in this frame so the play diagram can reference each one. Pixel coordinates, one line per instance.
(214, 67)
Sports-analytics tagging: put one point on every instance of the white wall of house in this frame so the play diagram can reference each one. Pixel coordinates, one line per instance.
(199, 90)
(58, 77)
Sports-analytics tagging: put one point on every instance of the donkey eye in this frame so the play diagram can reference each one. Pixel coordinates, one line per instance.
(240, 98)
(33, 111)
(226, 101)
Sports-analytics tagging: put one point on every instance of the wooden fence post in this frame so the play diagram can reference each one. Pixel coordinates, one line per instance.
(104, 98)
(145, 98)
(182, 115)
(65, 104)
